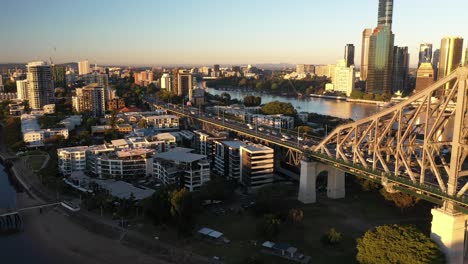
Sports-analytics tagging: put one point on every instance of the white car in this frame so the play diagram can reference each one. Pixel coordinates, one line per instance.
(300, 138)
(283, 139)
(370, 160)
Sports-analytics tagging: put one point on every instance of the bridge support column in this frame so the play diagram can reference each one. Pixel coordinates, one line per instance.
(448, 231)
(307, 182)
(336, 184)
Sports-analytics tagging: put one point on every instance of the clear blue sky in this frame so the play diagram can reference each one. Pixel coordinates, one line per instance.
(160, 32)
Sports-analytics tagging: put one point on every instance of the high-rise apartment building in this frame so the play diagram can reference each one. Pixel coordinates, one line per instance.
(91, 99)
(349, 55)
(184, 83)
(22, 89)
(366, 34)
(2, 87)
(379, 78)
(166, 82)
(424, 76)
(83, 67)
(400, 69)
(451, 51)
(40, 84)
(425, 53)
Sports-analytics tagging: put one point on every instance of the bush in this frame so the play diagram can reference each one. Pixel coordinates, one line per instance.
(397, 244)
(401, 200)
(268, 227)
(332, 237)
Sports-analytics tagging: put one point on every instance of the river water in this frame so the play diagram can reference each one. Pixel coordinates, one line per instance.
(336, 108)
(17, 248)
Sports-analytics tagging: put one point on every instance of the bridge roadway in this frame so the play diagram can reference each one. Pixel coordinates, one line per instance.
(402, 182)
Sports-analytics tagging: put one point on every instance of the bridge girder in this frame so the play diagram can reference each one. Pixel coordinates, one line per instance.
(423, 139)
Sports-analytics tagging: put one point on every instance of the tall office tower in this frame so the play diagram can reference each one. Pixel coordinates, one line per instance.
(424, 76)
(40, 84)
(83, 67)
(22, 89)
(451, 50)
(435, 62)
(166, 82)
(385, 13)
(184, 83)
(379, 76)
(59, 76)
(216, 67)
(425, 53)
(366, 34)
(349, 55)
(465, 61)
(400, 69)
(91, 99)
(2, 88)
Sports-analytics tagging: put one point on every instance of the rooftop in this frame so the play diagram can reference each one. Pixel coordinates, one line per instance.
(256, 147)
(233, 143)
(180, 155)
(133, 152)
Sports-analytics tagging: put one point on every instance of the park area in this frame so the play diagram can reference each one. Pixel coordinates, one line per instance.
(351, 217)
(35, 160)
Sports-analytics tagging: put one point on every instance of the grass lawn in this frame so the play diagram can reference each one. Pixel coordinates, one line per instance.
(351, 216)
(35, 161)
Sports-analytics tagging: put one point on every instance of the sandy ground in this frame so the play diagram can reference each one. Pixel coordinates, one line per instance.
(66, 242)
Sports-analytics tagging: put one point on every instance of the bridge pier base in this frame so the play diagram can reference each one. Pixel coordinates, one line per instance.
(448, 231)
(308, 178)
(336, 184)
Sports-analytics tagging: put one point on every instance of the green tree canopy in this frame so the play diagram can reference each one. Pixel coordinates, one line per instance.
(276, 107)
(401, 200)
(397, 244)
(251, 100)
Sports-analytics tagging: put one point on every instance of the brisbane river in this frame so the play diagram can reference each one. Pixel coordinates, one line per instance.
(329, 107)
(19, 247)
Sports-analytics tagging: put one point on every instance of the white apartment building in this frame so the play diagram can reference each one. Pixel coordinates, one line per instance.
(257, 163)
(106, 163)
(274, 121)
(72, 159)
(22, 89)
(182, 168)
(344, 79)
(83, 67)
(163, 122)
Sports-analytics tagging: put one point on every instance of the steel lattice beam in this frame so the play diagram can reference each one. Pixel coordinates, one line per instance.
(423, 139)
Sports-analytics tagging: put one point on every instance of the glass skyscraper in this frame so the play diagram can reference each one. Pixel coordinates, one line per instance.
(380, 70)
(451, 51)
(425, 53)
(349, 55)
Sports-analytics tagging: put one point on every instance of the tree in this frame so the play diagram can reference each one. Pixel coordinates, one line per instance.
(182, 210)
(274, 87)
(296, 215)
(356, 94)
(368, 96)
(218, 188)
(158, 206)
(226, 98)
(401, 200)
(269, 226)
(397, 244)
(271, 200)
(243, 82)
(276, 107)
(251, 100)
(333, 237)
(142, 123)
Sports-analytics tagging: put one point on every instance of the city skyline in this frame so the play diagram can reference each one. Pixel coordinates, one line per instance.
(161, 33)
